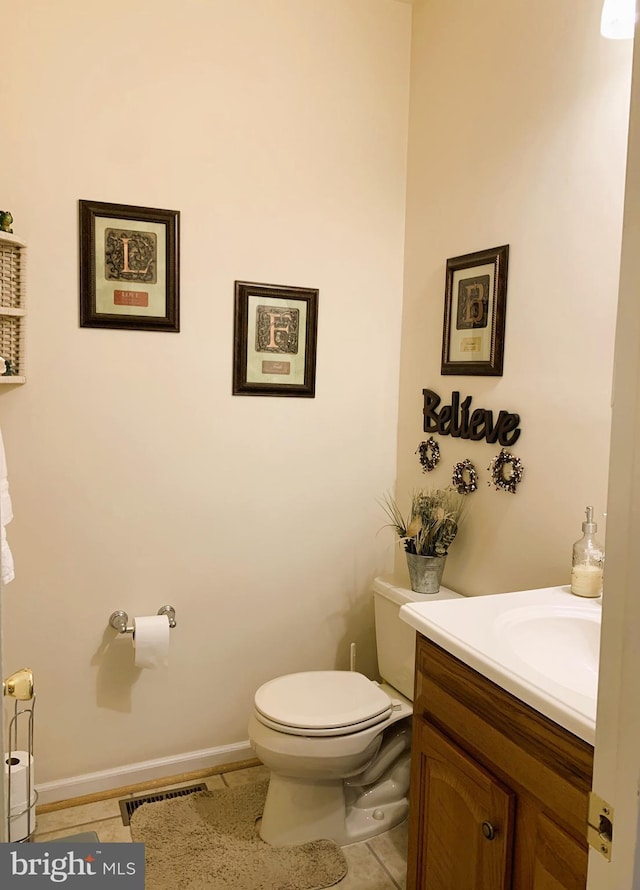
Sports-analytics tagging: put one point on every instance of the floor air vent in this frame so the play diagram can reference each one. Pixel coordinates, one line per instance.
(131, 804)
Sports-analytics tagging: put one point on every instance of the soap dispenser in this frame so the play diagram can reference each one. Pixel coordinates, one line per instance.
(588, 560)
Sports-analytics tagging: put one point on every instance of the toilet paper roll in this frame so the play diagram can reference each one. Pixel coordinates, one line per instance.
(21, 821)
(151, 641)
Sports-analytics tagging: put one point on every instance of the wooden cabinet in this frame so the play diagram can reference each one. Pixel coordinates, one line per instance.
(467, 835)
(498, 792)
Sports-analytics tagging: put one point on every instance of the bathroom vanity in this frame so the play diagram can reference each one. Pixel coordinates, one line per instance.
(499, 786)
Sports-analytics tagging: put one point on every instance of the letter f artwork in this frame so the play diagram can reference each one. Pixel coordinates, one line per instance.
(277, 329)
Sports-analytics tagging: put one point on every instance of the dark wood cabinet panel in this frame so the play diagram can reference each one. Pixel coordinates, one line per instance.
(560, 862)
(477, 749)
(468, 820)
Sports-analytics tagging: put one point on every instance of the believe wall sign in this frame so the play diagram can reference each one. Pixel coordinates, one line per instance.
(459, 421)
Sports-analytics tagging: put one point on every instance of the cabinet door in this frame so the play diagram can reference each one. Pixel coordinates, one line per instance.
(464, 819)
(560, 862)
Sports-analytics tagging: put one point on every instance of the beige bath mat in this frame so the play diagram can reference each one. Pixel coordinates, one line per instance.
(209, 840)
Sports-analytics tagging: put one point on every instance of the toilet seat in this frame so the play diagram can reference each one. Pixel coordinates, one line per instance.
(321, 703)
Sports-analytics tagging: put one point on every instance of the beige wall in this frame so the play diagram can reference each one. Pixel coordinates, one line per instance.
(279, 130)
(517, 136)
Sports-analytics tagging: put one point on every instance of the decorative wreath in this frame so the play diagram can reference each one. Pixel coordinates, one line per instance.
(506, 472)
(465, 478)
(429, 454)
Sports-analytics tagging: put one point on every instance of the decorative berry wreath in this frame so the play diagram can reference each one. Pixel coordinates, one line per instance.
(506, 472)
(465, 478)
(428, 454)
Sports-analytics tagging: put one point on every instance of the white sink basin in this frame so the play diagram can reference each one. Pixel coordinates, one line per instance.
(541, 645)
(560, 641)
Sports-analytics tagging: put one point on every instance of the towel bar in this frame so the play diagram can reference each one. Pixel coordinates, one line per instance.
(119, 620)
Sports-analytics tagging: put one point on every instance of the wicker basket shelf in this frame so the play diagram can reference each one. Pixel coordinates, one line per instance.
(12, 312)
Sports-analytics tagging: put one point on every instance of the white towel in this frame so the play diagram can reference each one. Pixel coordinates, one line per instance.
(6, 515)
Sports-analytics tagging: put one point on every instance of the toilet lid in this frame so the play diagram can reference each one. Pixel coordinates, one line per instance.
(321, 703)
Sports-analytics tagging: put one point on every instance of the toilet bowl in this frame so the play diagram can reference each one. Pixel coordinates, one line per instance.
(337, 744)
(328, 737)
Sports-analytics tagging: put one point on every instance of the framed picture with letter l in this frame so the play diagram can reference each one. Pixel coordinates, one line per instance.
(129, 267)
(474, 313)
(275, 333)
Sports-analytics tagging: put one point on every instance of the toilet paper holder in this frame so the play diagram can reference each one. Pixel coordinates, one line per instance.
(119, 620)
(20, 687)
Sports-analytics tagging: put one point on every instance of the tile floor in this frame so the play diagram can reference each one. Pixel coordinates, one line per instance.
(378, 864)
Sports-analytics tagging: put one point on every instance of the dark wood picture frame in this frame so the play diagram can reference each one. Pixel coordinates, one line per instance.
(129, 267)
(275, 339)
(474, 313)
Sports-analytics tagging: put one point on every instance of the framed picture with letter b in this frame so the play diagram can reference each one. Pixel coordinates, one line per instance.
(474, 313)
(129, 267)
(275, 332)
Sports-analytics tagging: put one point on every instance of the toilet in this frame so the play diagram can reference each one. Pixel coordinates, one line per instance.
(337, 743)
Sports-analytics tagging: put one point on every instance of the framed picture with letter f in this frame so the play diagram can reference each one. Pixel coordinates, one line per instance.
(129, 267)
(275, 333)
(474, 313)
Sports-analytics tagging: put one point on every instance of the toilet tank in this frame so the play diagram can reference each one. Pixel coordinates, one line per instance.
(395, 639)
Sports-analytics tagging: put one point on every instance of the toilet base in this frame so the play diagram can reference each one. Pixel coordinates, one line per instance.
(298, 810)
(364, 824)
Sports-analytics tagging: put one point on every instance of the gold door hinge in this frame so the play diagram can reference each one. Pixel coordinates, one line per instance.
(600, 825)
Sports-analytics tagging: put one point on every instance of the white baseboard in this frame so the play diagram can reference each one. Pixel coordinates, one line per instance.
(146, 771)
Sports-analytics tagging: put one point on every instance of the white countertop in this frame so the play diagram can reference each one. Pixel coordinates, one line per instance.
(540, 645)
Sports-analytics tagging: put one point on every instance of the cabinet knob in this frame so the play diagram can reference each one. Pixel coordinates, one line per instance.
(488, 831)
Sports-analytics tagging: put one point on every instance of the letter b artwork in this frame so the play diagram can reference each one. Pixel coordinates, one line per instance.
(475, 303)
